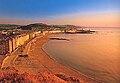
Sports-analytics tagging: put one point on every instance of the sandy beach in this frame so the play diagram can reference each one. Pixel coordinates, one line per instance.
(39, 61)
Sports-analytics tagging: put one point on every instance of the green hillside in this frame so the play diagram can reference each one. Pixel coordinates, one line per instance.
(8, 25)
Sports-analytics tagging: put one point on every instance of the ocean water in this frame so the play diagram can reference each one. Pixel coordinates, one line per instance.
(96, 55)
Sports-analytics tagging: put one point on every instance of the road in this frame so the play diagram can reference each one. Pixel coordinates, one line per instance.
(8, 62)
(38, 62)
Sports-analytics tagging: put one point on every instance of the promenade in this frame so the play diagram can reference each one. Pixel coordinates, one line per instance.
(38, 62)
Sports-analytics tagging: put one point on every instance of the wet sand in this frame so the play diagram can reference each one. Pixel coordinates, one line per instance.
(39, 61)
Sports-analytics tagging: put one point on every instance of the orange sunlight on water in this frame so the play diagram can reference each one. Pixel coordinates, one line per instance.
(96, 55)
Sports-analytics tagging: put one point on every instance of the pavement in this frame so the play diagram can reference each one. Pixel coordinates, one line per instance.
(8, 62)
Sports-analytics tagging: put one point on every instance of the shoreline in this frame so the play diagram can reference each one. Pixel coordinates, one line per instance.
(87, 77)
(41, 61)
(75, 70)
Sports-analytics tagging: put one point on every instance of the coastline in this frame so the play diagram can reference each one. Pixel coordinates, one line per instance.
(74, 70)
(85, 77)
(40, 61)
(77, 74)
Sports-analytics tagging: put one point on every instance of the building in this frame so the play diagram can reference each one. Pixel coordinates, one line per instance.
(4, 46)
(8, 43)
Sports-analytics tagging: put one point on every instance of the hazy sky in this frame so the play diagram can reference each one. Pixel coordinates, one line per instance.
(78, 12)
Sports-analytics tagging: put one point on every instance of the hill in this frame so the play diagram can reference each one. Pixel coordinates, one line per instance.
(8, 25)
(35, 25)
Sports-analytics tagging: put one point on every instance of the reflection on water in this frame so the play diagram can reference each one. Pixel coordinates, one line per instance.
(96, 55)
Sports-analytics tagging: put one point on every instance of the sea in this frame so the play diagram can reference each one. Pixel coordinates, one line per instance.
(96, 55)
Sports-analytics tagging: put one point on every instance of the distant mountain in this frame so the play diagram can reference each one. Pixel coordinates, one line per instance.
(38, 25)
(58, 26)
(66, 26)
(35, 25)
(8, 25)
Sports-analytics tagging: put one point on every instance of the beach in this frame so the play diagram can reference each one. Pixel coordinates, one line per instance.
(55, 59)
(39, 61)
(90, 54)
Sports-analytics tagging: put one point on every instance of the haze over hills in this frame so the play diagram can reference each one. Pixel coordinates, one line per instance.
(80, 12)
(83, 29)
(43, 25)
(8, 25)
(36, 25)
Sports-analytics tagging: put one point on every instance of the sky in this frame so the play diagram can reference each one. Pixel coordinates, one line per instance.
(77, 12)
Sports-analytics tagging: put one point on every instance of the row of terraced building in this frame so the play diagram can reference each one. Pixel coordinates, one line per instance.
(10, 42)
